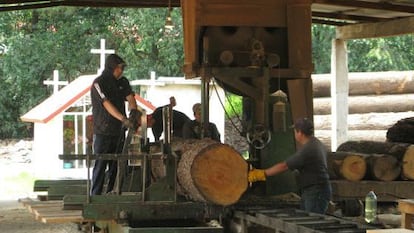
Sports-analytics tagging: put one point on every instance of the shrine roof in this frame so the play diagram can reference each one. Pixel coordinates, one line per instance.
(65, 98)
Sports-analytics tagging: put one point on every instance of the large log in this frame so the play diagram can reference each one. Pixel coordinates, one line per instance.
(344, 165)
(364, 121)
(367, 104)
(402, 131)
(382, 167)
(408, 164)
(207, 171)
(368, 83)
(353, 135)
(403, 152)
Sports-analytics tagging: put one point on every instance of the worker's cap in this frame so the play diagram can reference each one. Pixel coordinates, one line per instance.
(304, 125)
(196, 107)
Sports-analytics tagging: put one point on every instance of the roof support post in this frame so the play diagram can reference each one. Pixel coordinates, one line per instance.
(339, 93)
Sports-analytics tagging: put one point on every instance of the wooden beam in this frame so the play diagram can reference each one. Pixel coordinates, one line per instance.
(316, 20)
(380, 5)
(347, 17)
(30, 4)
(373, 30)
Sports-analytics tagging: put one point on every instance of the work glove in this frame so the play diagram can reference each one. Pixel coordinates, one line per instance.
(256, 175)
(127, 123)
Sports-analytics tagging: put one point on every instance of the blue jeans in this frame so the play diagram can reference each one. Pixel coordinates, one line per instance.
(315, 198)
(103, 144)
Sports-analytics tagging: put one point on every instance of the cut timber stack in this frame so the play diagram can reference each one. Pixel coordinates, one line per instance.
(208, 171)
(52, 211)
(385, 161)
(376, 101)
(357, 166)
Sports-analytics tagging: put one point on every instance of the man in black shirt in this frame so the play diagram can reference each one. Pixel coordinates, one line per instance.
(192, 129)
(155, 120)
(109, 92)
(310, 161)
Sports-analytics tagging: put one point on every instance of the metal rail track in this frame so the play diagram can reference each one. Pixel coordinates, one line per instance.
(292, 221)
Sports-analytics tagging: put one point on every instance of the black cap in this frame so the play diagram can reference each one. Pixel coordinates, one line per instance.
(304, 125)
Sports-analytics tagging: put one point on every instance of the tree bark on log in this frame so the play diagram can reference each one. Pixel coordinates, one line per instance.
(372, 147)
(403, 152)
(208, 171)
(345, 165)
(367, 104)
(354, 135)
(368, 83)
(402, 131)
(364, 121)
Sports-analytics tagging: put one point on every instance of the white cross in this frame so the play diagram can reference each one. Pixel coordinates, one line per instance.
(55, 82)
(102, 51)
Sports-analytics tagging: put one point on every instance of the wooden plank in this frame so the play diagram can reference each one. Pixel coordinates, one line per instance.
(406, 220)
(34, 208)
(43, 185)
(396, 230)
(386, 191)
(63, 219)
(26, 201)
(373, 30)
(45, 210)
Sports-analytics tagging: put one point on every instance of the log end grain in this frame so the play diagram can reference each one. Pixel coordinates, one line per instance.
(385, 168)
(220, 174)
(353, 168)
(408, 163)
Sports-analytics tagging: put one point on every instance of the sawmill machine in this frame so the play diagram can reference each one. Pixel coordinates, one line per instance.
(261, 51)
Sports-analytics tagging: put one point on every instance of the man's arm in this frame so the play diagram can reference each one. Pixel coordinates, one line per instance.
(132, 104)
(187, 130)
(276, 169)
(215, 133)
(261, 174)
(112, 110)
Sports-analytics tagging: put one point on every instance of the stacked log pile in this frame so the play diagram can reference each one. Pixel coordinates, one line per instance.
(370, 160)
(377, 100)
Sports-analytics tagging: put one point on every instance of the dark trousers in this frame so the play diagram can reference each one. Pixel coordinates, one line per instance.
(104, 144)
(316, 198)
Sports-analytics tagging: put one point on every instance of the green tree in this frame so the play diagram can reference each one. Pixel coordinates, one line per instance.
(36, 42)
(322, 36)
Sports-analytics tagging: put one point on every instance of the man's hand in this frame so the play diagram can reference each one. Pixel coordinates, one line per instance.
(256, 175)
(134, 114)
(127, 123)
